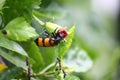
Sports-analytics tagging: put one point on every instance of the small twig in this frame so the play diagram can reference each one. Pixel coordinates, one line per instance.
(29, 72)
(60, 65)
(64, 73)
(44, 71)
(59, 62)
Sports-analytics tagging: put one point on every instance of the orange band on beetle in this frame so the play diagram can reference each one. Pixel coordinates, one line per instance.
(40, 43)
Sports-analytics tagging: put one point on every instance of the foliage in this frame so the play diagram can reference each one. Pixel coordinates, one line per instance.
(90, 52)
(21, 32)
(17, 41)
(67, 44)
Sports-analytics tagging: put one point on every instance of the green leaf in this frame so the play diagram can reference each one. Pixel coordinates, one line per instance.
(12, 45)
(18, 29)
(18, 72)
(64, 46)
(2, 2)
(71, 77)
(49, 14)
(17, 8)
(78, 59)
(34, 53)
(13, 59)
(49, 54)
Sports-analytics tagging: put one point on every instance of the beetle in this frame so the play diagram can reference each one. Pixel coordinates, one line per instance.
(56, 32)
(52, 28)
(47, 42)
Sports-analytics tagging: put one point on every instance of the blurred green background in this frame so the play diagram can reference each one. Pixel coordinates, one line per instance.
(96, 42)
(95, 50)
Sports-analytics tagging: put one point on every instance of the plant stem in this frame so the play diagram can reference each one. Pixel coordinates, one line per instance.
(47, 68)
(29, 72)
(38, 20)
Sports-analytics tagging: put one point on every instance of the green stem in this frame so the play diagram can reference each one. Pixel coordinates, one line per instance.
(44, 71)
(44, 74)
(47, 68)
(39, 21)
